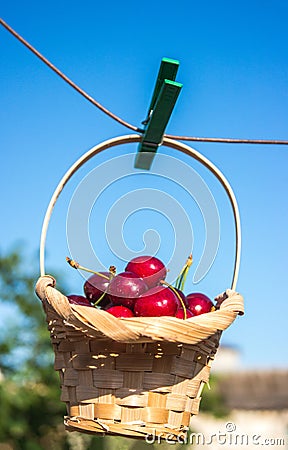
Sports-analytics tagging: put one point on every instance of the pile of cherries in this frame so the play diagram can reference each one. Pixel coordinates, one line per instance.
(140, 290)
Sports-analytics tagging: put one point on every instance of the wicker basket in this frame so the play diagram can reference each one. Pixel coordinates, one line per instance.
(134, 376)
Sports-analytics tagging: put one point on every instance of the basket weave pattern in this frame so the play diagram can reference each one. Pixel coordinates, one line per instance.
(131, 376)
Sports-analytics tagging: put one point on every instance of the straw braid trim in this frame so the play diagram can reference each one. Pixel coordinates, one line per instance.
(98, 323)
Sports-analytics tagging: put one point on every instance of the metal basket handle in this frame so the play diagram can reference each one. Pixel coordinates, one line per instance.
(134, 138)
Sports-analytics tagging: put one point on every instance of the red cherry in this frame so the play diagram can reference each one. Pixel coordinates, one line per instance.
(120, 311)
(199, 303)
(95, 286)
(180, 313)
(125, 288)
(150, 268)
(78, 300)
(158, 301)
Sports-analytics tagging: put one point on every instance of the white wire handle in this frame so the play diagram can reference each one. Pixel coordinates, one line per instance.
(134, 138)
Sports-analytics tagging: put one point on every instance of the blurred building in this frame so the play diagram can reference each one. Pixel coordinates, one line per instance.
(265, 390)
(258, 405)
(228, 359)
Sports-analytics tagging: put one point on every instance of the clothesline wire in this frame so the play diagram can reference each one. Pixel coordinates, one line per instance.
(119, 119)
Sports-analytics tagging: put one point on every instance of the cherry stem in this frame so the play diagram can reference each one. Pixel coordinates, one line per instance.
(178, 295)
(77, 266)
(112, 273)
(101, 297)
(181, 279)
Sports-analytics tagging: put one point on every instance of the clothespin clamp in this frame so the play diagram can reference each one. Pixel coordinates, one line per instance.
(165, 95)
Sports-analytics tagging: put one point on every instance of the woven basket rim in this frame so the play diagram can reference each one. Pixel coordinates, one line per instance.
(99, 323)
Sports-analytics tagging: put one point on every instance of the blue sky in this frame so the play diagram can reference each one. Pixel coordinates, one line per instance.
(234, 70)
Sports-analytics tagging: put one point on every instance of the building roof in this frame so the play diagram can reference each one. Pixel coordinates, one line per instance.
(255, 390)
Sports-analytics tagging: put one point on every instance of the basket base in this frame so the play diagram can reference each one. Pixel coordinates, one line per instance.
(153, 433)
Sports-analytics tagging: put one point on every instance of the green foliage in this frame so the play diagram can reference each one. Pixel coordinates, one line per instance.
(24, 339)
(31, 414)
(213, 401)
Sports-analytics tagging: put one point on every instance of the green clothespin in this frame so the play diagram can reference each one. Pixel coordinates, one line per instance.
(165, 95)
